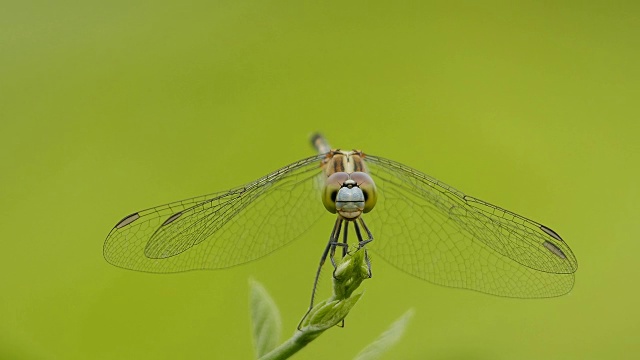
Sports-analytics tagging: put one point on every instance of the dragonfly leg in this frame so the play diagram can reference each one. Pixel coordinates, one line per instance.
(366, 229)
(362, 243)
(333, 239)
(344, 244)
(334, 245)
(368, 262)
(345, 247)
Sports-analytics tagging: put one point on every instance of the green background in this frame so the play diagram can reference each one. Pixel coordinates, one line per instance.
(110, 107)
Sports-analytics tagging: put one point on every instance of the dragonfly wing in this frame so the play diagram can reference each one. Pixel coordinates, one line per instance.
(435, 232)
(222, 229)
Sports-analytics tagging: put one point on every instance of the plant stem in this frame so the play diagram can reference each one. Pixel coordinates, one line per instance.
(348, 275)
(299, 340)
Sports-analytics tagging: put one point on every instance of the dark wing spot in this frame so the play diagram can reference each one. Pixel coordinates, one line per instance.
(554, 249)
(127, 220)
(551, 233)
(172, 218)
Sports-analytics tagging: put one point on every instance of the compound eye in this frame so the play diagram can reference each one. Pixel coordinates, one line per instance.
(368, 187)
(330, 190)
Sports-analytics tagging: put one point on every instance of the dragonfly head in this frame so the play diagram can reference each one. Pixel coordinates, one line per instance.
(349, 195)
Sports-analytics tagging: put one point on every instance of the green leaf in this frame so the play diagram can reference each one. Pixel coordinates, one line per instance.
(351, 271)
(327, 314)
(387, 339)
(265, 320)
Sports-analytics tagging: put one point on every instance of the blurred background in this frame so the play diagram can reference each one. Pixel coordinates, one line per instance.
(111, 107)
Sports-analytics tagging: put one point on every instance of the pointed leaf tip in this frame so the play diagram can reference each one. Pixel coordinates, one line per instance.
(265, 319)
(387, 339)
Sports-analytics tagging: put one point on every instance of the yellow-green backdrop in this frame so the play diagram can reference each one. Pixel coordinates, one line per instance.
(109, 107)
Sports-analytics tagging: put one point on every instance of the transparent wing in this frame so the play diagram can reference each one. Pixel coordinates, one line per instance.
(222, 229)
(436, 233)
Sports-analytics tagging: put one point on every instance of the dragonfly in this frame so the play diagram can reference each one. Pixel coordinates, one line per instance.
(421, 225)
